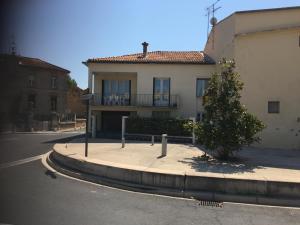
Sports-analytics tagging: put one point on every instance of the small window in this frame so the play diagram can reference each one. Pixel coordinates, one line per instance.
(160, 114)
(273, 107)
(200, 116)
(31, 101)
(30, 81)
(201, 86)
(53, 103)
(53, 82)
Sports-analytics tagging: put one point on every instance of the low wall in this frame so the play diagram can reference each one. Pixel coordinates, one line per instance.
(185, 185)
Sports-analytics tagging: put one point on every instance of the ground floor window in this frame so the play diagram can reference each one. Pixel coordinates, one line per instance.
(200, 116)
(53, 103)
(31, 101)
(201, 86)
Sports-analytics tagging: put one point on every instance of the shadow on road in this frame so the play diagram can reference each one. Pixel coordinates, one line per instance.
(51, 174)
(64, 139)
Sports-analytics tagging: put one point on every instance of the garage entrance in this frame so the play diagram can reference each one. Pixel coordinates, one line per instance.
(112, 121)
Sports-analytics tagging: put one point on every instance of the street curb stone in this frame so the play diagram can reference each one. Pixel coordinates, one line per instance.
(180, 185)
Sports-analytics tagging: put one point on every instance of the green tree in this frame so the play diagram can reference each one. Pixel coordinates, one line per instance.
(226, 126)
(72, 84)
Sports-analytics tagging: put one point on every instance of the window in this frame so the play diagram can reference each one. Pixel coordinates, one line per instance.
(116, 92)
(53, 82)
(116, 87)
(30, 81)
(201, 86)
(53, 103)
(200, 116)
(161, 91)
(161, 114)
(273, 107)
(31, 101)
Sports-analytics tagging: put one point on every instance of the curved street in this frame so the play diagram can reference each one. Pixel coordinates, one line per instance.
(32, 194)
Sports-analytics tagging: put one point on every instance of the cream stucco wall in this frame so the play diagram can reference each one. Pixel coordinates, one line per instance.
(269, 66)
(265, 46)
(261, 20)
(183, 81)
(221, 40)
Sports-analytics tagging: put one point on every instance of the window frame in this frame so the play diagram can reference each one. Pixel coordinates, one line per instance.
(56, 101)
(159, 96)
(203, 86)
(277, 110)
(33, 95)
(54, 82)
(200, 116)
(31, 81)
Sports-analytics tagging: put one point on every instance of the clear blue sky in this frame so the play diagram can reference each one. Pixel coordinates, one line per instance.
(67, 32)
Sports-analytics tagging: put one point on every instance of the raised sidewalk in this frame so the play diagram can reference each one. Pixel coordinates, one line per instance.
(260, 176)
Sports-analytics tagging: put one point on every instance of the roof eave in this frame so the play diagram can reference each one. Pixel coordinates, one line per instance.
(130, 62)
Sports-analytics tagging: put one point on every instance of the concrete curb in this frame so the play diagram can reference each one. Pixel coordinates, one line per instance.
(179, 185)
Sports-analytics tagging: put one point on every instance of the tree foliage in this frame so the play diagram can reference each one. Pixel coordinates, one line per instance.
(72, 84)
(226, 126)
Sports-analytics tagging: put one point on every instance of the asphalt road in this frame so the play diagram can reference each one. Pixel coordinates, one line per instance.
(30, 194)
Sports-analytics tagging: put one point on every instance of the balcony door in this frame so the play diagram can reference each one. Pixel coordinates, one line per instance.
(161, 91)
(116, 92)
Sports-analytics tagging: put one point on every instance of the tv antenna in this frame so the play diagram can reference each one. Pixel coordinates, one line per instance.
(210, 10)
(13, 48)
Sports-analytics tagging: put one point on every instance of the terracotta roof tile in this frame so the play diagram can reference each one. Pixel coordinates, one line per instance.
(33, 62)
(26, 61)
(159, 57)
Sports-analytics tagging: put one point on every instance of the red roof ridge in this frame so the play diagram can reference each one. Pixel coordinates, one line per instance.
(171, 57)
(36, 62)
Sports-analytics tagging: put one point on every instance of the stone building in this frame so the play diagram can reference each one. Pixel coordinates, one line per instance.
(74, 103)
(31, 90)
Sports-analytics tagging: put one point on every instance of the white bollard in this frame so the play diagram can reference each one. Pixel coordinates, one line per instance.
(164, 145)
(123, 130)
(152, 140)
(123, 142)
(193, 132)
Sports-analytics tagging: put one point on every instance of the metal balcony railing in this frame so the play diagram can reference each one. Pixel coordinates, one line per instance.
(139, 100)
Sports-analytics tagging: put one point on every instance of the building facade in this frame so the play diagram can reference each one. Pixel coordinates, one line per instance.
(31, 89)
(266, 47)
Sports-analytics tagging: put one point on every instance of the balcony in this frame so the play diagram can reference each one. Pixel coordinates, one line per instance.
(137, 100)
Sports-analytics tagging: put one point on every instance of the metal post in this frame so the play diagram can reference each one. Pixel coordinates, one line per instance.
(75, 121)
(193, 131)
(86, 128)
(93, 120)
(164, 145)
(123, 142)
(123, 130)
(152, 140)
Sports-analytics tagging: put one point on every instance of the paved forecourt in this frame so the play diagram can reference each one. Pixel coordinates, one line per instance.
(181, 172)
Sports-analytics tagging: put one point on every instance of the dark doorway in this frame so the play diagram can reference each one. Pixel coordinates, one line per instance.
(112, 121)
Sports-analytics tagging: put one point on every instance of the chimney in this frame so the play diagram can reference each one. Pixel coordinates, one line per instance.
(145, 45)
